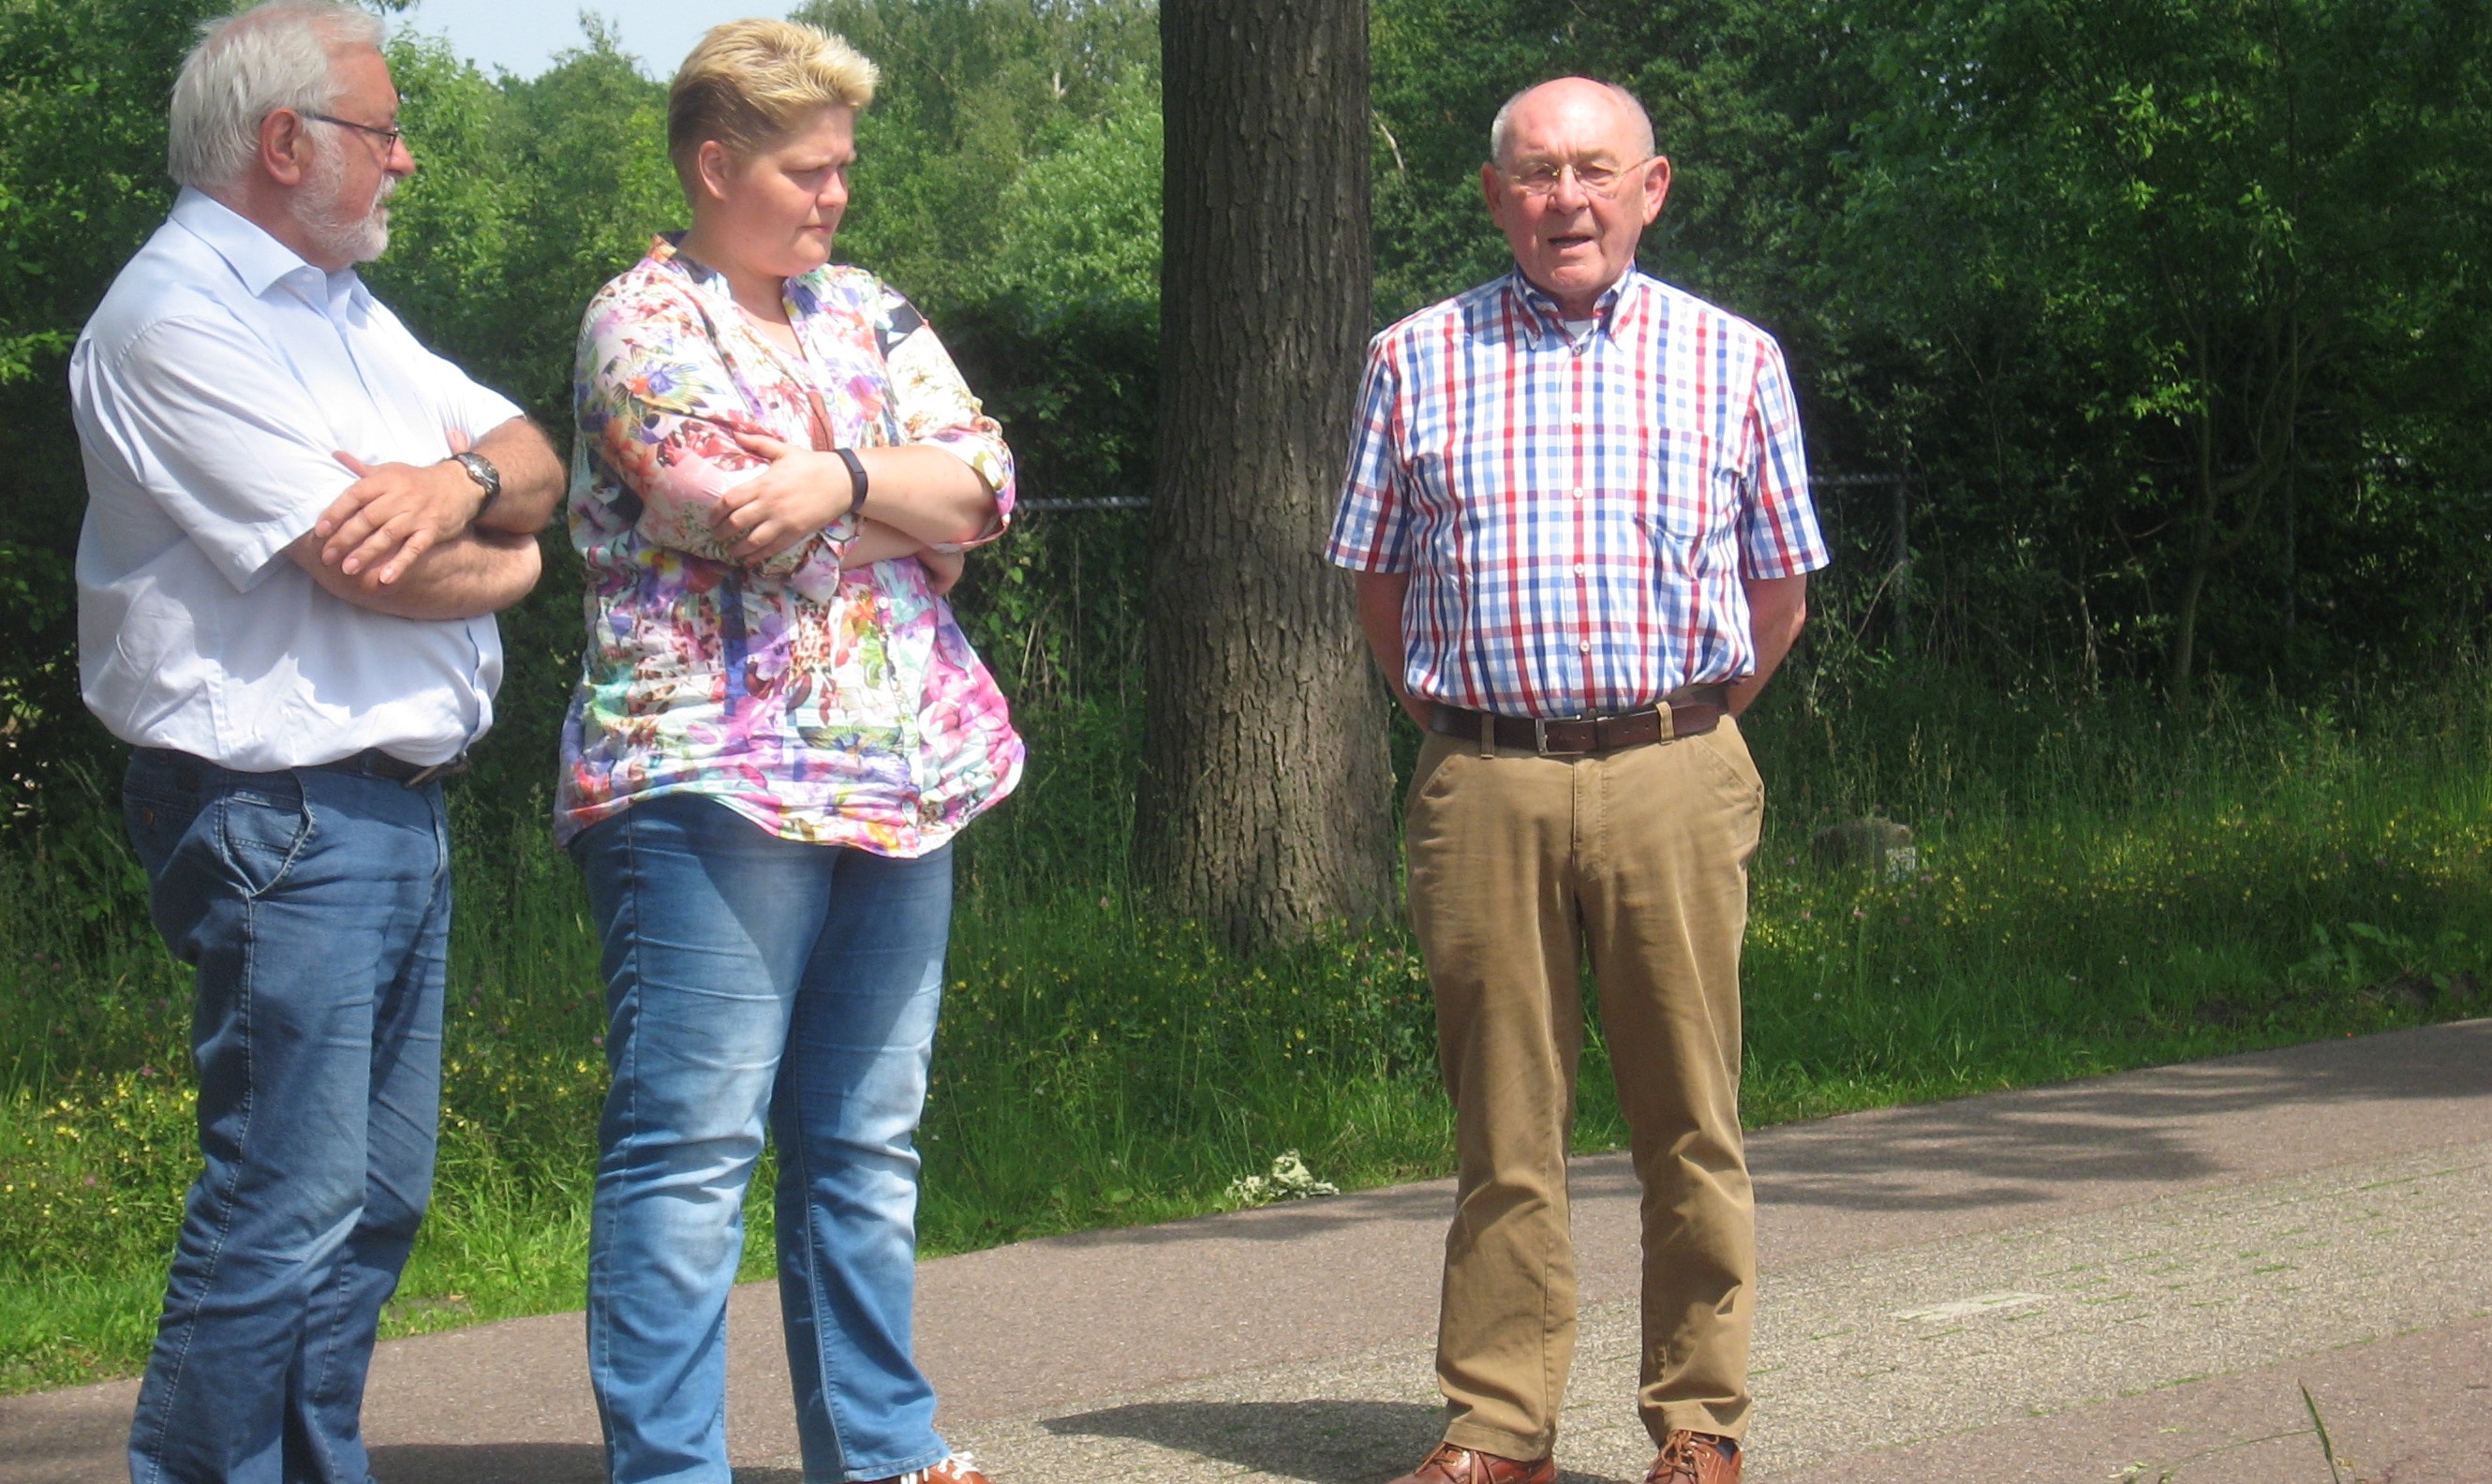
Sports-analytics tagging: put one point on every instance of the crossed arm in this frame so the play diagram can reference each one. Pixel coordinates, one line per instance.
(412, 542)
(924, 498)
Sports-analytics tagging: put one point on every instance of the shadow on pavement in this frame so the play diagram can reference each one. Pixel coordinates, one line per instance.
(489, 1463)
(1317, 1441)
(2029, 1146)
(517, 1463)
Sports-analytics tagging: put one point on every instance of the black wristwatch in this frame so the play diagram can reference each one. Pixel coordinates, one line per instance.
(481, 469)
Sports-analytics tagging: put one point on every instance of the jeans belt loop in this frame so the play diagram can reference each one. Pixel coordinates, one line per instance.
(1488, 735)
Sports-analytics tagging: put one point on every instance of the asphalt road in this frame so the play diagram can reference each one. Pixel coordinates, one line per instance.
(2131, 1278)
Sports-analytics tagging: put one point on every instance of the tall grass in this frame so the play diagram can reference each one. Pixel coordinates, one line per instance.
(2103, 881)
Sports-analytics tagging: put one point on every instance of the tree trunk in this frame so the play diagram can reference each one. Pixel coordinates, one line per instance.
(1265, 797)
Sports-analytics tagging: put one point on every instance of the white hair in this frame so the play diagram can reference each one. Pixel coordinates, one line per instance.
(1499, 127)
(278, 54)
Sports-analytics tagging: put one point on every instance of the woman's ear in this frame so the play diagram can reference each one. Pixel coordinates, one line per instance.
(714, 167)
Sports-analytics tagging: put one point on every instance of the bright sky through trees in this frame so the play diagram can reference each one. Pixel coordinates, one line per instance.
(522, 36)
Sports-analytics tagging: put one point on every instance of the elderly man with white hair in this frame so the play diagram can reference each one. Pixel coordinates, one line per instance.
(300, 523)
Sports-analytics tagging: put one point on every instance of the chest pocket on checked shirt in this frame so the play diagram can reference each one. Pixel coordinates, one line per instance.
(1691, 502)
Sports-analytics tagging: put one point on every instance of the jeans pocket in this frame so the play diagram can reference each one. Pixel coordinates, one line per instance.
(263, 828)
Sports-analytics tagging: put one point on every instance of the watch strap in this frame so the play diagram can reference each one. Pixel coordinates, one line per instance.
(856, 478)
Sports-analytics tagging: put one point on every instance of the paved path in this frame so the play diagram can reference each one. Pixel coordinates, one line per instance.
(2125, 1279)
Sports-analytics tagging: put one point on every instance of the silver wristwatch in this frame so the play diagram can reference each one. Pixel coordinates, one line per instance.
(481, 469)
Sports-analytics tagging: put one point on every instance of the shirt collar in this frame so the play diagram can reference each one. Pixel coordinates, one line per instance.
(257, 259)
(1612, 311)
(666, 250)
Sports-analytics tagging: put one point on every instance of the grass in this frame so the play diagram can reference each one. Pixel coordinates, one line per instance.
(2104, 882)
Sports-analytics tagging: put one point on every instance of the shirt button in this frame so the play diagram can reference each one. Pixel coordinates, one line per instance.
(1578, 491)
(1579, 569)
(1586, 646)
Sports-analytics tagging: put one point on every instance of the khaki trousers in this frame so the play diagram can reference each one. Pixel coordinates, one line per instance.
(1521, 866)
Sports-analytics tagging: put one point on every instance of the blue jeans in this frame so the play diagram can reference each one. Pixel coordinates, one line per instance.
(315, 905)
(750, 977)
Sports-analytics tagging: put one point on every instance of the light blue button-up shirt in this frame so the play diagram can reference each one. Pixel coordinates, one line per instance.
(212, 388)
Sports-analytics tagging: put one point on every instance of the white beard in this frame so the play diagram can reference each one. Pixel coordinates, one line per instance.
(358, 240)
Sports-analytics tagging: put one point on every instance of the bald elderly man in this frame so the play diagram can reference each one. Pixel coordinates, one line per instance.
(1578, 511)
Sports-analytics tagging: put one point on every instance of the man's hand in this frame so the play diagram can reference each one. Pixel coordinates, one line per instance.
(1777, 608)
(1380, 598)
(802, 491)
(393, 513)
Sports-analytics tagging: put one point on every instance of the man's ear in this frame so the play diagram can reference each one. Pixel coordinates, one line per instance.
(285, 147)
(1492, 188)
(1656, 187)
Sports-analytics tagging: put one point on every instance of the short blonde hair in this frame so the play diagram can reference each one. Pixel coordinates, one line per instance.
(750, 83)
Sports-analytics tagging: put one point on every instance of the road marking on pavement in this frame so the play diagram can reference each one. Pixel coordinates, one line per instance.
(1966, 1308)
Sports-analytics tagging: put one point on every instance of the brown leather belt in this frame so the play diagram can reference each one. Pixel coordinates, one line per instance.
(1692, 712)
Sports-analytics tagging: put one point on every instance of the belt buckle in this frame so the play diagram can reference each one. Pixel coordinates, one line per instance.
(1540, 738)
(435, 772)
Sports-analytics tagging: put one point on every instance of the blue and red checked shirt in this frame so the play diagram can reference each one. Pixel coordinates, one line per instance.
(1576, 515)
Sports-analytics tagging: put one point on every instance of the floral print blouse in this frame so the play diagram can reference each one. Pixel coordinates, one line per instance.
(827, 707)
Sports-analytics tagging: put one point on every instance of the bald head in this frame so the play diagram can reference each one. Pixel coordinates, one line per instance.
(1604, 105)
(1573, 183)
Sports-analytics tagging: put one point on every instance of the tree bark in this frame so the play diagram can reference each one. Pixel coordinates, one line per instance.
(1266, 796)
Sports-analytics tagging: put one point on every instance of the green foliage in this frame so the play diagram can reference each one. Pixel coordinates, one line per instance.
(2199, 253)
(530, 195)
(973, 93)
(1080, 228)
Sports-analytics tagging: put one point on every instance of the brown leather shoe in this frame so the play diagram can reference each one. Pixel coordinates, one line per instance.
(956, 1470)
(1695, 1458)
(1450, 1465)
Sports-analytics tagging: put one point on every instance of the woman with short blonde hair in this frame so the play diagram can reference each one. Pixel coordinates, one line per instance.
(778, 730)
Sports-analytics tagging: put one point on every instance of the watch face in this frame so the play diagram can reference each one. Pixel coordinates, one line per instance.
(481, 469)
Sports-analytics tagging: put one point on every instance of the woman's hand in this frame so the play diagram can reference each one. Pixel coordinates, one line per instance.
(943, 569)
(875, 543)
(801, 492)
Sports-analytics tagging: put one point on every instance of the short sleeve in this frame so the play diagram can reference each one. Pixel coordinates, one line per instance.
(472, 407)
(210, 427)
(1778, 534)
(1371, 528)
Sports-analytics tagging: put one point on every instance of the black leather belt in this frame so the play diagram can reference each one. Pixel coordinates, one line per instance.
(1691, 712)
(370, 763)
